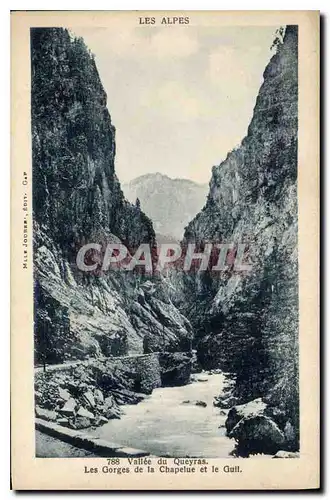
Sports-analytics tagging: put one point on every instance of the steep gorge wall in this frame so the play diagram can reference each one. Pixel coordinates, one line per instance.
(248, 322)
(77, 199)
(76, 192)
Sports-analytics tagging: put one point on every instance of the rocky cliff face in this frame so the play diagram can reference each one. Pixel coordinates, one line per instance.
(170, 203)
(77, 199)
(248, 322)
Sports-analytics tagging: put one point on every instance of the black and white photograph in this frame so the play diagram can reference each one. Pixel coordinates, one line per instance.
(192, 357)
(165, 236)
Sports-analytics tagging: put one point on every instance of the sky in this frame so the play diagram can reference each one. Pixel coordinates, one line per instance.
(180, 97)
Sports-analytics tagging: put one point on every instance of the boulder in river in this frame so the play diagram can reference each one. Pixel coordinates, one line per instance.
(225, 402)
(112, 413)
(258, 434)
(101, 420)
(81, 423)
(286, 454)
(82, 412)
(250, 409)
(111, 408)
(201, 403)
(195, 402)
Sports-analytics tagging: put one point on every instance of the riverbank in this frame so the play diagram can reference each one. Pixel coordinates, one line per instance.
(176, 421)
(50, 447)
(87, 442)
(180, 421)
(90, 393)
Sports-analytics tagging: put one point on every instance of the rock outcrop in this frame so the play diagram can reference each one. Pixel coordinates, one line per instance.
(247, 321)
(77, 199)
(175, 368)
(91, 392)
(257, 427)
(286, 454)
(257, 434)
(248, 410)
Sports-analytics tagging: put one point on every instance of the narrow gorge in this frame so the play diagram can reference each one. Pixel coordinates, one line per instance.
(107, 339)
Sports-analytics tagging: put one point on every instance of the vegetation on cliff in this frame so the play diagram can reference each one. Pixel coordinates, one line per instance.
(248, 322)
(77, 199)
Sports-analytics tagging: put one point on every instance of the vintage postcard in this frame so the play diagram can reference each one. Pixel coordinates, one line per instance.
(165, 225)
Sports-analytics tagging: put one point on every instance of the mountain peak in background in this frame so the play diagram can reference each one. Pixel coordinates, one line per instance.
(170, 203)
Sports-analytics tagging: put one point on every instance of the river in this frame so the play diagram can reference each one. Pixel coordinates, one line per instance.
(164, 426)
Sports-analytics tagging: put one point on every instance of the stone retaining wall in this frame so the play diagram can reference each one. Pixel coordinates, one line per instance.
(88, 442)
